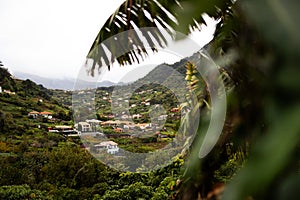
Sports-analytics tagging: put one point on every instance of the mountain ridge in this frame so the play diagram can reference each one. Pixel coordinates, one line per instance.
(61, 83)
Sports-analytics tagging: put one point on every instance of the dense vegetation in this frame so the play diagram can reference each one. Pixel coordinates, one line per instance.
(257, 156)
(256, 43)
(37, 164)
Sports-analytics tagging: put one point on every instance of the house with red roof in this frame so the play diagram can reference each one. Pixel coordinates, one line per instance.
(35, 114)
(46, 114)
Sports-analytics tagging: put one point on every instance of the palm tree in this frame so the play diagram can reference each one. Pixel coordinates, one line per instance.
(266, 65)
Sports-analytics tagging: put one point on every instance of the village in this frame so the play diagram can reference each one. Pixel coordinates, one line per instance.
(151, 121)
(108, 129)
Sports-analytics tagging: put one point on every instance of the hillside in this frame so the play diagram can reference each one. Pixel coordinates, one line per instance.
(164, 85)
(37, 164)
(49, 165)
(22, 87)
(20, 97)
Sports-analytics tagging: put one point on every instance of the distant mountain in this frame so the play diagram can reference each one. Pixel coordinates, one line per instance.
(159, 73)
(81, 84)
(167, 72)
(62, 83)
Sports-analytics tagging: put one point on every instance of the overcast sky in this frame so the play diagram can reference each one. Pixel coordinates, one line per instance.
(51, 38)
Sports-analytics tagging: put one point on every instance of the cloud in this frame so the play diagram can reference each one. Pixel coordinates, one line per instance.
(50, 37)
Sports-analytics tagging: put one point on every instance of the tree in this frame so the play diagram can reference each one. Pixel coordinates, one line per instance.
(4, 72)
(18, 192)
(6, 122)
(264, 63)
(135, 191)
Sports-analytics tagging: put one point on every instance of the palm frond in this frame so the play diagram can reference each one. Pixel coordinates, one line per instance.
(165, 15)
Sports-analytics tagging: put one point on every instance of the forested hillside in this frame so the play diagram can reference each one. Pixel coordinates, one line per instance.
(255, 50)
(37, 164)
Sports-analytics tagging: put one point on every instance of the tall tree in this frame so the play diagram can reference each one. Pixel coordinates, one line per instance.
(264, 106)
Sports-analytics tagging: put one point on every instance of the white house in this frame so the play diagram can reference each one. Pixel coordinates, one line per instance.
(33, 114)
(110, 147)
(94, 123)
(84, 127)
(62, 129)
(125, 116)
(162, 117)
(9, 92)
(46, 114)
(126, 127)
(136, 116)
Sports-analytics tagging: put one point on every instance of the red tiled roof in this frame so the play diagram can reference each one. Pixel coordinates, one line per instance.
(34, 112)
(45, 113)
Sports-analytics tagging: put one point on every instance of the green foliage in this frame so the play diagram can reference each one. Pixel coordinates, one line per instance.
(253, 51)
(68, 172)
(14, 108)
(251, 36)
(66, 193)
(267, 167)
(228, 170)
(134, 191)
(6, 122)
(65, 165)
(160, 194)
(4, 73)
(21, 192)
(36, 164)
